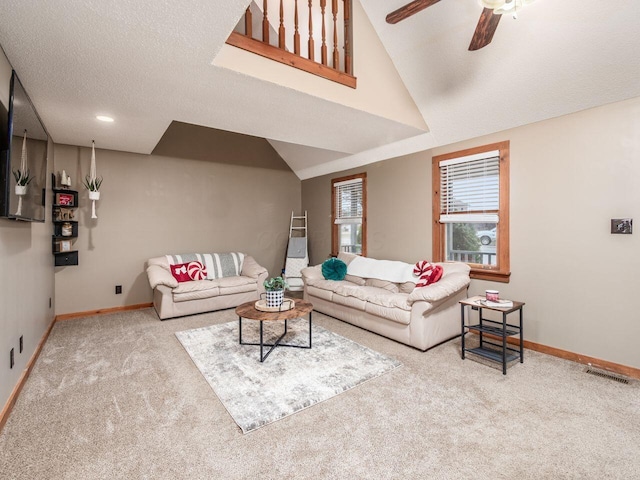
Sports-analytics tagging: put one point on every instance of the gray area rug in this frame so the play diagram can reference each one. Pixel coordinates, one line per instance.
(291, 379)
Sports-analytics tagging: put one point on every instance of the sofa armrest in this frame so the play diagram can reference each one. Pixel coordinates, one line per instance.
(454, 267)
(160, 276)
(309, 274)
(251, 268)
(447, 286)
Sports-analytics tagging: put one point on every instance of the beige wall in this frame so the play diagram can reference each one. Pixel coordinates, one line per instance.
(396, 223)
(26, 279)
(152, 205)
(569, 177)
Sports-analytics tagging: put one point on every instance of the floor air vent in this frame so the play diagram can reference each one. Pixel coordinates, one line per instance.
(610, 376)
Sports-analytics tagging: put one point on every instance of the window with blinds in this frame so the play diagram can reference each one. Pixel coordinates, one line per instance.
(348, 201)
(349, 214)
(471, 209)
(470, 188)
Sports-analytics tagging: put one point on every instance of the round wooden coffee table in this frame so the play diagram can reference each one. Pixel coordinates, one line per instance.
(249, 311)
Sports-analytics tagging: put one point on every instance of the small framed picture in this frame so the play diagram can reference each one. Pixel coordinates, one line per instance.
(65, 199)
(622, 225)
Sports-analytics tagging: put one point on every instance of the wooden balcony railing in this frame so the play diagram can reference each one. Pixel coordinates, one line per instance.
(296, 22)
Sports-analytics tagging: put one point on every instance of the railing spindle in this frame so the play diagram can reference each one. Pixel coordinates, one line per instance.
(311, 43)
(248, 23)
(347, 36)
(336, 56)
(296, 34)
(281, 29)
(337, 69)
(265, 23)
(323, 48)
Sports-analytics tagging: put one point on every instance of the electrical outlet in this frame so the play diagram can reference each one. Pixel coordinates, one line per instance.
(118, 289)
(21, 343)
(11, 358)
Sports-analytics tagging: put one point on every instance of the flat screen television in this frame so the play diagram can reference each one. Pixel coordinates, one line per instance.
(23, 157)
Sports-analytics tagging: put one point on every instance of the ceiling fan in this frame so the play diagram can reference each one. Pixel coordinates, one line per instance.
(489, 18)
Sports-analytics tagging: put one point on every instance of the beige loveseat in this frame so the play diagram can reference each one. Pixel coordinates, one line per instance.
(173, 299)
(420, 317)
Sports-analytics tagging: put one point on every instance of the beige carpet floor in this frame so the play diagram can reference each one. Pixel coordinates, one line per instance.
(116, 396)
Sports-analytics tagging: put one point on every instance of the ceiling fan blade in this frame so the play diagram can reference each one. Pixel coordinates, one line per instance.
(485, 29)
(409, 9)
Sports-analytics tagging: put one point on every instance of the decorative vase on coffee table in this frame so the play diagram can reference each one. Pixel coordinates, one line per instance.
(274, 298)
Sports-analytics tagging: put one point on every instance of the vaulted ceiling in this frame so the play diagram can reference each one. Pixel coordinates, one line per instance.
(150, 63)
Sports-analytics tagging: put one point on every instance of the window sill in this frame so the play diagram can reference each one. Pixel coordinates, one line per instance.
(493, 276)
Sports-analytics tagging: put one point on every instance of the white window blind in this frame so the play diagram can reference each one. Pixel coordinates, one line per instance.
(348, 201)
(470, 188)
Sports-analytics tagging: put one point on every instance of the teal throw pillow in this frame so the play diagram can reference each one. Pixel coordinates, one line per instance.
(334, 269)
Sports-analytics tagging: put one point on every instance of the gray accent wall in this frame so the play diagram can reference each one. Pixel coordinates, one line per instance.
(569, 176)
(26, 278)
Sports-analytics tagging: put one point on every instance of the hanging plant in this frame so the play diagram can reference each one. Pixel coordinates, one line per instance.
(23, 177)
(92, 184)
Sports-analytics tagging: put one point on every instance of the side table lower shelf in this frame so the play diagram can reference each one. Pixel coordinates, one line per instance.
(495, 355)
(494, 347)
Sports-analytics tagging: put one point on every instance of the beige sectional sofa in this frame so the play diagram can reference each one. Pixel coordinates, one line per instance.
(420, 317)
(173, 299)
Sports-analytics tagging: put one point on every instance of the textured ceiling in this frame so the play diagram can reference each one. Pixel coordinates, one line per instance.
(150, 63)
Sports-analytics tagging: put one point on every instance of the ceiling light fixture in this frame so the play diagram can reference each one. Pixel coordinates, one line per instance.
(104, 118)
(500, 7)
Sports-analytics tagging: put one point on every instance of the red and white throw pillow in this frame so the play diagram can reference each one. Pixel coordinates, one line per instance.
(180, 272)
(428, 273)
(196, 271)
(187, 272)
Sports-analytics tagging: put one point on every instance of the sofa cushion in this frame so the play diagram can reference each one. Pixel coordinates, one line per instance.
(394, 314)
(406, 287)
(349, 301)
(384, 284)
(387, 299)
(231, 285)
(321, 293)
(196, 294)
(357, 280)
(195, 286)
(330, 285)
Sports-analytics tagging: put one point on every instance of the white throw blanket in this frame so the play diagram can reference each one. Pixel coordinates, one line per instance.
(389, 270)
